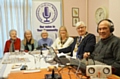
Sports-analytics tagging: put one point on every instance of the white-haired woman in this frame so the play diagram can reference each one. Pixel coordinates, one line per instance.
(45, 39)
(13, 43)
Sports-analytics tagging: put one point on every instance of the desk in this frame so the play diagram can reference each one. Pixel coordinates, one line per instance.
(5, 70)
(40, 75)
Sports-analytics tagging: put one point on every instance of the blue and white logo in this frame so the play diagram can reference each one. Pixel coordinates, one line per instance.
(46, 13)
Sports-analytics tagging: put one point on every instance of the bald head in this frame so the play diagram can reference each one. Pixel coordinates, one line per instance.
(104, 29)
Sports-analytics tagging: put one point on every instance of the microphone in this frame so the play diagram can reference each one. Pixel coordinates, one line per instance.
(44, 45)
(86, 60)
(39, 47)
(46, 11)
(88, 55)
(53, 74)
(91, 57)
(46, 14)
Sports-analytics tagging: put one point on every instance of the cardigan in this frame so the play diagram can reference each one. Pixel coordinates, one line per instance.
(29, 46)
(57, 43)
(16, 45)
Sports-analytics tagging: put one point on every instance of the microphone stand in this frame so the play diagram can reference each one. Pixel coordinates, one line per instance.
(41, 54)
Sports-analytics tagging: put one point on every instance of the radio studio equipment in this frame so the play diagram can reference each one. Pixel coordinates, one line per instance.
(98, 71)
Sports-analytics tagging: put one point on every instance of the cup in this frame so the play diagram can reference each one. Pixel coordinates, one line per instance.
(16, 50)
(37, 61)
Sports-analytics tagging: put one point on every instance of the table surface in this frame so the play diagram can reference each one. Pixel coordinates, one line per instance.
(41, 75)
(6, 70)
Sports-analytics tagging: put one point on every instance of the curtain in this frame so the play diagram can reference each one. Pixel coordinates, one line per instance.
(14, 14)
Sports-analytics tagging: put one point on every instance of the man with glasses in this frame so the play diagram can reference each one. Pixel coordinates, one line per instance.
(85, 42)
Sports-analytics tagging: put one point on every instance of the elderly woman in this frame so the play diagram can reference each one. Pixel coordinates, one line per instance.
(63, 41)
(28, 43)
(45, 39)
(13, 43)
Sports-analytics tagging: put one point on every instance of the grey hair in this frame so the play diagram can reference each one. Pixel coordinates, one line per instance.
(81, 23)
(44, 31)
(12, 31)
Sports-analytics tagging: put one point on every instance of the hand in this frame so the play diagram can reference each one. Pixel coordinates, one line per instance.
(86, 54)
(56, 50)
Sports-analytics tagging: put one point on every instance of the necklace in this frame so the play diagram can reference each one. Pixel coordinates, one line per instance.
(63, 42)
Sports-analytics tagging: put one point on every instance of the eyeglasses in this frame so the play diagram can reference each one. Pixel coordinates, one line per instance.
(81, 27)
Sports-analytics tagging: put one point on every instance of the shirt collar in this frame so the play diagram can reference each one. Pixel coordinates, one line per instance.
(83, 35)
(105, 40)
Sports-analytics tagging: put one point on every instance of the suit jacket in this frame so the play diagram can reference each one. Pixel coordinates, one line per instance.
(87, 45)
(16, 45)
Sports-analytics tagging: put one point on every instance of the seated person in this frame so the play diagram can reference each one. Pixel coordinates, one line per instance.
(63, 41)
(28, 43)
(107, 50)
(13, 43)
(85, 42)
(45, 39)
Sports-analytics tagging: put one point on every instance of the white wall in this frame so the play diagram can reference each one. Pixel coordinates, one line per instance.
(68, 5)
(114, 15)
(92, 6)
(113, 7)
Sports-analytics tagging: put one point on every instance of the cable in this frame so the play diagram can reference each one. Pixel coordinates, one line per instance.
(76, 73)
(69, 74)
(92, 59)
(78, 66)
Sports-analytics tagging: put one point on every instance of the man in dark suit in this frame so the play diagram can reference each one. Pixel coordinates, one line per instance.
(85, 42)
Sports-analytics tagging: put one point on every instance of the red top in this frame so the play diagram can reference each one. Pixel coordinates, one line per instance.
(16, 45)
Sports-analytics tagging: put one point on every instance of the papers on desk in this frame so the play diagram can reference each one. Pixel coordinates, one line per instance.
(34, 52)
(16, 66)
(63, 54)
(17, 53)
(31, 71)
(15, 60)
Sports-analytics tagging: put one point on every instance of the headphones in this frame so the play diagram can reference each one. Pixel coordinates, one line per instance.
(111, 27)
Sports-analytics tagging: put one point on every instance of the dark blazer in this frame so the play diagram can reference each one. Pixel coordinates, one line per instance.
(87, 45)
